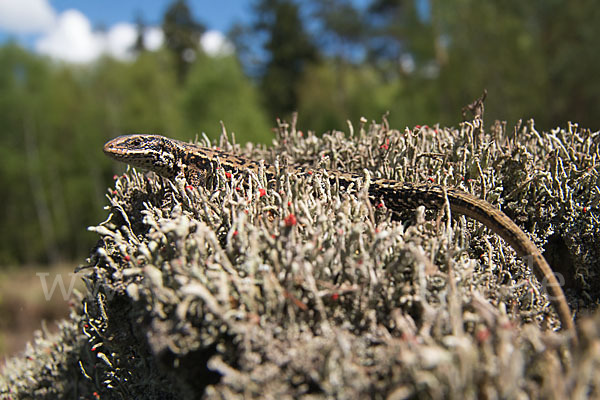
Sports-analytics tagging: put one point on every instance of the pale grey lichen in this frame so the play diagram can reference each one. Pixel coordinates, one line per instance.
(301, 289)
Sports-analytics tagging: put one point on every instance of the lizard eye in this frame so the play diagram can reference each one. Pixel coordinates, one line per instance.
(135, 142)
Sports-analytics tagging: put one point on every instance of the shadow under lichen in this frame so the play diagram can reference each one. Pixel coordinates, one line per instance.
(296, 287)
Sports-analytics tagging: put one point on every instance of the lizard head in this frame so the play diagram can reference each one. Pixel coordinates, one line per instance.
(152, 152)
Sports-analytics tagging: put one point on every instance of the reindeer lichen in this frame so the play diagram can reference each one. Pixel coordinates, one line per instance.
(256, 289)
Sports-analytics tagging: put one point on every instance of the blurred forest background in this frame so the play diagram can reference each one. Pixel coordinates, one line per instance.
(327, 59)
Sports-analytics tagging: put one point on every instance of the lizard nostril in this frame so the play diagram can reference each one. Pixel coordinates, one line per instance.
(108, 147)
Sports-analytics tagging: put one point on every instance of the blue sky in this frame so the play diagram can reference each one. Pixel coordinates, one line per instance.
(215, 14)
(81, 30)
(28, 21)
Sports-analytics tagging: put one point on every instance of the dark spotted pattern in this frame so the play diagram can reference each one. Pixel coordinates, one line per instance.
(168, 157)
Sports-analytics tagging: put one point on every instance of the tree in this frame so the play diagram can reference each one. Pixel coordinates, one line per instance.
(56, 119)
(491, 46)
(342, 31)
(289, 50)
(570, 59)
(140, 26)
(323, 106)
(217, 90)
(182, 36)
(137, 97)
(399, 33)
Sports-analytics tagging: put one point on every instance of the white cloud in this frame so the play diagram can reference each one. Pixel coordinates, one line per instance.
(26, 16)
(119, 41)
(153, 38)
(72, 39)
(214, 43)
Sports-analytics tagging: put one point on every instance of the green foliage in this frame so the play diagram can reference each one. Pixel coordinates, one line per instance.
(35, 143)
(217, 90)
(571, 58)
(139, 97)
(290, 50)
(56, 119)
(397, 31)
(349, 62)
(342, 30)
(531, 62)
(182, 35)
(332, 93)
(493, 46)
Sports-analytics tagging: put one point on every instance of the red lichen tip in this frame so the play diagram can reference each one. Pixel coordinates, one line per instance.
(290, 220)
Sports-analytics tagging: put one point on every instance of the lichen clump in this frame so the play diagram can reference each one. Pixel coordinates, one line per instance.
(294, 287)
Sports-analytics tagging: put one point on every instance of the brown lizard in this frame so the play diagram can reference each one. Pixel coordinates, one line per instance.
(170, 157)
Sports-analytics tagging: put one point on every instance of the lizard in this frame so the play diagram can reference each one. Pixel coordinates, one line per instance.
(169, 158)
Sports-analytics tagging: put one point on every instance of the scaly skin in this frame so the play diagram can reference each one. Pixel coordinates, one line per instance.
(169, 157)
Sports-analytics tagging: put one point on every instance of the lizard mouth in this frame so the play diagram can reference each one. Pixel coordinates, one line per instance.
(120, 146)
(111, 150)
